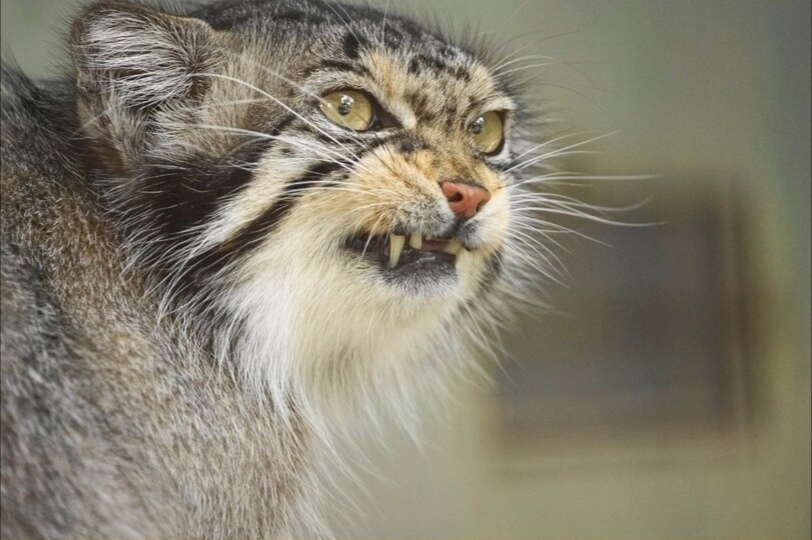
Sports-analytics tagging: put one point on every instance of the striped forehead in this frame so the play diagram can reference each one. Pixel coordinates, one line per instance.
(435, 83)
(436, 91)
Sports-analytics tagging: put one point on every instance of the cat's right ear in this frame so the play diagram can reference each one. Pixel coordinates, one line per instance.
(132, 62)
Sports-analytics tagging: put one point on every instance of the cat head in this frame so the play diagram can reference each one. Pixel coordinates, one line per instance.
(330, 183)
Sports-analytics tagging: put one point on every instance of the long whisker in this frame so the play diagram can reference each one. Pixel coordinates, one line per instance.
(303, 90)
(549, 142)
(281, 104)
(558, 152)
(371, 234)
(531, 222)
(597, 219)
(295, 142)
(557, 175)
(536, 245)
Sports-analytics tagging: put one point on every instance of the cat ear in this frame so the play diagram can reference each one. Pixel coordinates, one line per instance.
(132, 62)
(141, 56)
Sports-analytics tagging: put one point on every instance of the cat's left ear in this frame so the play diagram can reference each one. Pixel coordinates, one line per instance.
(139, 56)
(132, 64)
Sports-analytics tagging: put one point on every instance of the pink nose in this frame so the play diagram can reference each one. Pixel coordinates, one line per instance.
(465, 200)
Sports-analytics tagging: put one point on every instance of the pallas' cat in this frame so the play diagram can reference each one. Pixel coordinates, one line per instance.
(229, 234)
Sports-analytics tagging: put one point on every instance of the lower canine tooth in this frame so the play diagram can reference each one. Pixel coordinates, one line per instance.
(396, 243)
(453, 247)
(416, 241)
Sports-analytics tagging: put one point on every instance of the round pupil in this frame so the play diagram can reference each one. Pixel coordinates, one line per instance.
(345, 106)
(476, 127)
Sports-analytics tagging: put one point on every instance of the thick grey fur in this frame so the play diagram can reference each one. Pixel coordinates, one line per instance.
(116, 423)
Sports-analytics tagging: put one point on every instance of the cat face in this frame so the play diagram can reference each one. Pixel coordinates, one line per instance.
(407, 202)
(312, 162)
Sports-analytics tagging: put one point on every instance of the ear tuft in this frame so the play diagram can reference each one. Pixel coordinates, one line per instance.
(138, 56)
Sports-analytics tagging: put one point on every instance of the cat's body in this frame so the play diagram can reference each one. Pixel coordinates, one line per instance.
(188, 313)
(112, 426)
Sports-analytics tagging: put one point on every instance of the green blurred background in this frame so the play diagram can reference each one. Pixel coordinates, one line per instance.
(673, 399)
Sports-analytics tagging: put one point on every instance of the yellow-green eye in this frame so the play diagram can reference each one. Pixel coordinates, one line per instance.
(488, 131)
(348, 108)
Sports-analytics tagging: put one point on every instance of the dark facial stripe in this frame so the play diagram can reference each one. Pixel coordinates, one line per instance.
(187, 195)
(337, 65)
(368, 142)
(252, 234)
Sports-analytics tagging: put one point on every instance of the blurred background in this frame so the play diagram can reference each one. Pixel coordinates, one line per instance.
(667, 395)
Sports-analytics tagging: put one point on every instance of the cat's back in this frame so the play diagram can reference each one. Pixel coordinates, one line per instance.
(60, 468)
(58, 249)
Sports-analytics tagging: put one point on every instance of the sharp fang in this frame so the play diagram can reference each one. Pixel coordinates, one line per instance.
(453, 247)
(416, 241)
(396, 243)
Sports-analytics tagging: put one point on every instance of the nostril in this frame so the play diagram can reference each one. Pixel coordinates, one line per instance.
(465, 199)
(452, 191)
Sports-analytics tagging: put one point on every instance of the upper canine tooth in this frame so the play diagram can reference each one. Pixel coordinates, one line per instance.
(396, 243)
(416, 241)
(453, 246)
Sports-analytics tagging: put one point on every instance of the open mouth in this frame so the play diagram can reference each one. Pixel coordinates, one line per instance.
(409, 256)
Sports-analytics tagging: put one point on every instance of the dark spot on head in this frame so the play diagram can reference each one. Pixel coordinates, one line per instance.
(462, 73)
(431, 63)
(422, 61)
(353, 45)
(419, 102)
(450, 117)
(411, 144)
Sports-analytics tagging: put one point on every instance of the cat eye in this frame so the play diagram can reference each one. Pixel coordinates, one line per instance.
(349, 108)
(489, 132)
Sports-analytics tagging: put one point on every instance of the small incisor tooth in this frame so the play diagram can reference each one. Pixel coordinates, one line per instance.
(453, 246)
(416, 241)
(396, 243)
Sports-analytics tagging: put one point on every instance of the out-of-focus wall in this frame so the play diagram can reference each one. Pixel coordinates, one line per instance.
(694, 89)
